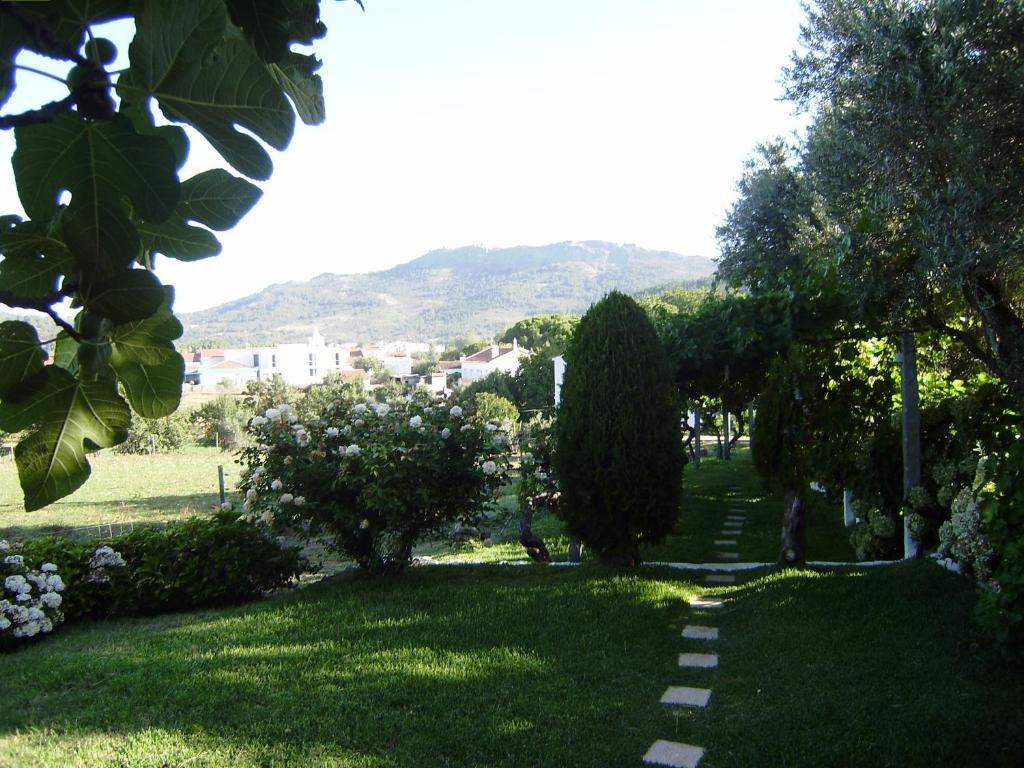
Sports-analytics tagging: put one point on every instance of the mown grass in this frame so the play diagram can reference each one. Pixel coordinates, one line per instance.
(479, 666)
(132, 490)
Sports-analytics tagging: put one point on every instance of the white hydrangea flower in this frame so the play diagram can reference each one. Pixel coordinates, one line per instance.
(489, 467)
(455, 412)
(45, 625)
(303, 439)
(35, 614)
(415, 422)
(332, 432)
(4, 546)
(490, 427)
(48, 568)
(466, 428)
(17, 584)
(4, 622)
(360, 408)
(359, 422)
(276, 484)
(272, 414)
(54, 583)
(527, 456)
(24, 597)
(382, 409)
(286, 498)
(284, 408)
(364, 524)
(225, 507)
(292, 419)
(251, 494)
(257, 471)
(353, 450)
(14, 560)
(299, 501)
(257, 421)
(446, 433)
(37, 579)
(51, 600)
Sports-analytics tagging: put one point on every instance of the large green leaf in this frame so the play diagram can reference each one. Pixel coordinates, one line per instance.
(69, 418)
(273, 27)
(214, 198)
(185, 56)
(20, 354)
(97, 161)
(11, 41)
(296, 74)
(129, 295)
(146, 363)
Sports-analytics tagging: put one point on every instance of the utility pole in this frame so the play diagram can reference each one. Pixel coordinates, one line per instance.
(911, 436)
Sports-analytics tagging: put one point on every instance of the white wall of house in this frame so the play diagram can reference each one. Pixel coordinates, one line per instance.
(472, 370)
(559, 363)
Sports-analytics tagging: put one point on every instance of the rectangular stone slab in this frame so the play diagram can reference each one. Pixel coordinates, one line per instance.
(673, 754)
(719, 578)
(698, 660)
(684, 696)
(697, 632)
(729, 555)
(704, 602)
(725, 542)
(736, 518)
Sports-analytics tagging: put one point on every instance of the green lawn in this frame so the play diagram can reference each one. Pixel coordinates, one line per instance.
(534, 666)
(525, 667)
(128, 490)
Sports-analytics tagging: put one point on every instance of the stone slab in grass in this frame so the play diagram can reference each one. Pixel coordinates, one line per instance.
(673, 754)
(698, 632)
(705, 603)
(719, 578)
(728, 555)
(725, 542)
(684, 696)
(736, 518)
(698, 660)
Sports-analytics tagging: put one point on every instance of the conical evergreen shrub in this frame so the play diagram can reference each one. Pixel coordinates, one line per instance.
(618, 451)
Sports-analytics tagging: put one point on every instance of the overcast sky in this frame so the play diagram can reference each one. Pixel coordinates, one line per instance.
(505, 122)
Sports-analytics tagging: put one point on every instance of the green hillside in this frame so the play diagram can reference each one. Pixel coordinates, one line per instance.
(445, 294)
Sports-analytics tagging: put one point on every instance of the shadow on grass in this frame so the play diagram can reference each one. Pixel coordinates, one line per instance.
(442, 667)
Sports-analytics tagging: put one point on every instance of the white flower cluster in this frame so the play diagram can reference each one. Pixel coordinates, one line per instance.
(104, 557)
(29, 601)
(489, 467)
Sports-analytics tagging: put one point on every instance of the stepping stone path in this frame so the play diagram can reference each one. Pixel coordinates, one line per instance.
(684, 696)
(698, 660)
(675, 754)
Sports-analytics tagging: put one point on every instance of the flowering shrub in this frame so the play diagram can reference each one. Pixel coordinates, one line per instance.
(961, 537)
(30, 599)
(193, 564)
(373, 477)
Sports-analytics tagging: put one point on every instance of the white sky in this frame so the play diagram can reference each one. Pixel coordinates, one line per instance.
(504, 122)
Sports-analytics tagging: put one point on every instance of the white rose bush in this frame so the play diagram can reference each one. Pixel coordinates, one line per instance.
(373, 478)
(30, 599)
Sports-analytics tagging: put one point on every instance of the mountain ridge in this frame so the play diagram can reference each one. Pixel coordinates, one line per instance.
(446, 293)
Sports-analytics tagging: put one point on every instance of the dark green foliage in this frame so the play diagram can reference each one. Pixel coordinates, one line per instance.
(781, 437)
(619, 454)
(193, 564)
(221, 422)
(171, 433)
(551, 332)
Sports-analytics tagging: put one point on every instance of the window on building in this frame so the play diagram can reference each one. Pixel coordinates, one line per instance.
(273, 361)
(256, 360)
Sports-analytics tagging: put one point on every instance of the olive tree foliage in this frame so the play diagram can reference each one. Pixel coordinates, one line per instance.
(916, 152)
(99, 181)
(618, 455)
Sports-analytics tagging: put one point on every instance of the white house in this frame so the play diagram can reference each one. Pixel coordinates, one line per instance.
(491, 359)
(559, 363)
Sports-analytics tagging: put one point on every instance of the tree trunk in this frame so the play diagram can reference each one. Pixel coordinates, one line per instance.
(911, 437)
(849, 519)
(794, 527)
(575, 550)
(727, 428)
(1004, 331)
(696, 429)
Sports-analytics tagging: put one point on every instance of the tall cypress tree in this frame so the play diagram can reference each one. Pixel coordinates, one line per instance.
(619, 454)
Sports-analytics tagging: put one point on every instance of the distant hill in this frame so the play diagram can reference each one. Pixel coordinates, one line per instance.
(445, 294)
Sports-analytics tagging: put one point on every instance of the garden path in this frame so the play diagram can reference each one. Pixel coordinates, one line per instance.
(674, 754)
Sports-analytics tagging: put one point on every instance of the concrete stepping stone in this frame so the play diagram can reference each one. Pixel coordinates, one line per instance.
(729, 555)
(698, 632)
(705, 603)
(673, 754)
(719, 578)
(684, 696)
(698, 660)
(736, 518)
(725, 542)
